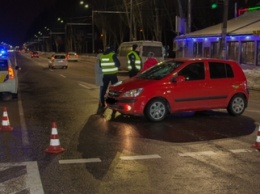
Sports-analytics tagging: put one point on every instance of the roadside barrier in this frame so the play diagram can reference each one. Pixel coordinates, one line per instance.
(257, 143)
(54, 147)
(5, 121)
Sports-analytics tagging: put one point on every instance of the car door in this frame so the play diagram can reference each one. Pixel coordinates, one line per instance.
(190, 93)
(3, 70)
(220, 83)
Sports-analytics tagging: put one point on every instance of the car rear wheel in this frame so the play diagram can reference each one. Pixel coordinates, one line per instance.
(237, 105)
(156, 110)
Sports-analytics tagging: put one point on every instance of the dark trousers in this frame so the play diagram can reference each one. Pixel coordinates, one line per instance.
(107, 79)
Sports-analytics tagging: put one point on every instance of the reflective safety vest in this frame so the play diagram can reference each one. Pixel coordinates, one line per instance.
(107, 64)
(138, 61)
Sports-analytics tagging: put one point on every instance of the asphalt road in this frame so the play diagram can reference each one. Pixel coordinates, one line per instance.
(206, 152)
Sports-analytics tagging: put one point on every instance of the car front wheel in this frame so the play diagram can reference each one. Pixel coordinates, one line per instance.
(156, 110)
(237, 105)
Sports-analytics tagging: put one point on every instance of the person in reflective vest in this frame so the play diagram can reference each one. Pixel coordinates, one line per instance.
(109, 64)
(134, 61)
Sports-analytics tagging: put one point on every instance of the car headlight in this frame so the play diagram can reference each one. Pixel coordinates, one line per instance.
(133, 93)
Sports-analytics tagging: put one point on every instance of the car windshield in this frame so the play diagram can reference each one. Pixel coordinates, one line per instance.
(160, 70)
(59, 56)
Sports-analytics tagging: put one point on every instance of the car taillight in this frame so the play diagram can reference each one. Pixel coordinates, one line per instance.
(11, 73)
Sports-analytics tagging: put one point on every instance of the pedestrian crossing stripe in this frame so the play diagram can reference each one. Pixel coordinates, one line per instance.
(21, 177)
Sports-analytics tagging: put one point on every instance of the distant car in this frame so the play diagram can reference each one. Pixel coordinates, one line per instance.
(34, 54)
(72, 56)
(182, 85)
(58, 60)
(8, 78)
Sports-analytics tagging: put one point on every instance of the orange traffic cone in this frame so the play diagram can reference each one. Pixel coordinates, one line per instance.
(54, 147)
(257, 143)
(5, 121)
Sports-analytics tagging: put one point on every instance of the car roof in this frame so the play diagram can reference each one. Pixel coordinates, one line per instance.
(204, 59)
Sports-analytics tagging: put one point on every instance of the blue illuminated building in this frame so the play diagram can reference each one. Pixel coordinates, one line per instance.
(242, 40)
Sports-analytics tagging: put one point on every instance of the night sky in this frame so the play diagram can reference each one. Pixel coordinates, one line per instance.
(17, 17)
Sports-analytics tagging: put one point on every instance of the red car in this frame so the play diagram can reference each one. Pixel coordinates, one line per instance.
(182, 85)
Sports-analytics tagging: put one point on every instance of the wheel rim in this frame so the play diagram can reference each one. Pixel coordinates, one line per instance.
(238, 105)
(157, 110)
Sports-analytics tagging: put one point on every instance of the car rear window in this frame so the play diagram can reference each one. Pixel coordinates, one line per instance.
(59, 56)
(3, 65)
(157, 50)
(220, 70)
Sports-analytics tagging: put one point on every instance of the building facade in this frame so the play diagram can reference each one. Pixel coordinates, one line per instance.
(242, 41)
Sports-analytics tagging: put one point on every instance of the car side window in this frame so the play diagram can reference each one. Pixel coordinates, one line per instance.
(194, 71)
(220, 70)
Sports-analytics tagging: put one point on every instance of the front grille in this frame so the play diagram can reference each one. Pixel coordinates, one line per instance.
(113, 94)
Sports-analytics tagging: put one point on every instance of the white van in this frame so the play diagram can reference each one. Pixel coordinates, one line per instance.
(146, 46)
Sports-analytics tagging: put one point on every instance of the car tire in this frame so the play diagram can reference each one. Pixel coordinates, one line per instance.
(237, 105)
(156, 110)
(7, 96)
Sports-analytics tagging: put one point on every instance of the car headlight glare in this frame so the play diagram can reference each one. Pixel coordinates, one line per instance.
(133, 93)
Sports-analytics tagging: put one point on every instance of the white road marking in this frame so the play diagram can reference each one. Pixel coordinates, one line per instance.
(24, 130)
(205, 153)
(76, 161)
(141, 157)
(88, 85)
(84, 86)
(210, 153)
(240, 151)
(32, 178)
(250, 110)
(63, 76)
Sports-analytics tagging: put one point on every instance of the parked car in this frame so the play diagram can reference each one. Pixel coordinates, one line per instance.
(72, 56)
(34, 54)
(58, 60)
(182, 85)
(8, 79)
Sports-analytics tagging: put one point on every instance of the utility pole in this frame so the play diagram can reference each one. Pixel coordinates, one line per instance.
(223, 45)
(189, 16)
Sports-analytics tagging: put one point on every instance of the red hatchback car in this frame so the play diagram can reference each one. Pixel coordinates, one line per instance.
(182, 85)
